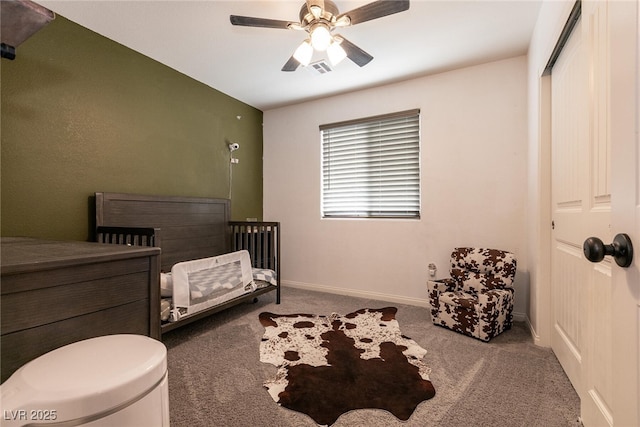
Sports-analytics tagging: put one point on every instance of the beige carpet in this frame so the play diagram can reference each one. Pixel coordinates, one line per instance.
(215, 376)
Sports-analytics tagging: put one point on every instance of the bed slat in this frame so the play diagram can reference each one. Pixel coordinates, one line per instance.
(130, 236)
(262, 240)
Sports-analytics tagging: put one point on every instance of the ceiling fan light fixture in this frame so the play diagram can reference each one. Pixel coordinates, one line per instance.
(303, 53)
(336, 53)
(320, 36)
(318, 18)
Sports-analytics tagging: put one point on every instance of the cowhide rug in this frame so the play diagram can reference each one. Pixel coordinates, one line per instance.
(329, 365)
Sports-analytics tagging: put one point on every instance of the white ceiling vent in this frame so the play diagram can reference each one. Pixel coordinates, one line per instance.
(319, 67)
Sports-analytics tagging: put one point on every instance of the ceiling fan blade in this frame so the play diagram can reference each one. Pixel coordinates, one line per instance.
(354, 53)
(247, 21)
(291, 65)
(375, 10)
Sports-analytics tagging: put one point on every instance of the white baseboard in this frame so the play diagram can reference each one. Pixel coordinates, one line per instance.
(520, 317)
(420, 302)
(536, 338)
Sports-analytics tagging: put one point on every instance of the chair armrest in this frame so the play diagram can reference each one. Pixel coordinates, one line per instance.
(442, 285)
(434, 289)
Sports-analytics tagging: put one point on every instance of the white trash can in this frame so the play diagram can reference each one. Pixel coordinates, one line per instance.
(113, 380)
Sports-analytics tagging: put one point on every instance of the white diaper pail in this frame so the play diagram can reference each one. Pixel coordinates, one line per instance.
(114, 380)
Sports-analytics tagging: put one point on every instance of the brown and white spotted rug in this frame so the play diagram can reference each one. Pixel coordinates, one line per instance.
(329, 365)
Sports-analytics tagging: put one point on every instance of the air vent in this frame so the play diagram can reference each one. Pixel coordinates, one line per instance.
(319, 67)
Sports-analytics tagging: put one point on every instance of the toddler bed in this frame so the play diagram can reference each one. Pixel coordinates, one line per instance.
(208, 263)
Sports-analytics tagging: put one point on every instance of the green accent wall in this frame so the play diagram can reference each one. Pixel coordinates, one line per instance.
(82, 114)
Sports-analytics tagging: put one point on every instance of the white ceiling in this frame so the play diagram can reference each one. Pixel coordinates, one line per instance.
(197, 39)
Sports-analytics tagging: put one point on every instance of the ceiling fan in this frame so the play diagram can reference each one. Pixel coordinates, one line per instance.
(319, 18)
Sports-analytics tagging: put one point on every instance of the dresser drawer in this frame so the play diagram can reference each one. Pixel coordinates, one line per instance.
(23, 346)
(28, 309)
(64, 275)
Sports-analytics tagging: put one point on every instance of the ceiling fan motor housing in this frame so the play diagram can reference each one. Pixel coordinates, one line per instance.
(306, 17)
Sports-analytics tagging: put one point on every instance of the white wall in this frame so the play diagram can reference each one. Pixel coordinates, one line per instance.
(474, 184)
(551, 19)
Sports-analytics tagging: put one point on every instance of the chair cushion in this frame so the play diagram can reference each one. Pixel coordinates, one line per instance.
(458, 299)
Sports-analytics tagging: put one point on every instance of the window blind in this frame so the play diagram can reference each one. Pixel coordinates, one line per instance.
(371, 167)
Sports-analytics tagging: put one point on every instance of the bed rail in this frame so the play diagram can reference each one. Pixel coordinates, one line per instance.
(262, 240)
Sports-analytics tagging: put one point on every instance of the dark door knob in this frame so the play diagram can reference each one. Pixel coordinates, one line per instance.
(621, 249)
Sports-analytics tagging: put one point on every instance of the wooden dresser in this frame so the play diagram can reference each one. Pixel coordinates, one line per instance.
(55, 293)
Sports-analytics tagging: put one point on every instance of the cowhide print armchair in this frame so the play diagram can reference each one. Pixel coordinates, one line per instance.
(477, 300)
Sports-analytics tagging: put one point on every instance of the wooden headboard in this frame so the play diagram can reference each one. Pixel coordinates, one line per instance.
(190, 227)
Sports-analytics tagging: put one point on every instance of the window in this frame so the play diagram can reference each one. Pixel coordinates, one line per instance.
(371, 167)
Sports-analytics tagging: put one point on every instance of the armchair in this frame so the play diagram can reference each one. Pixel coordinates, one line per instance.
(477, 300)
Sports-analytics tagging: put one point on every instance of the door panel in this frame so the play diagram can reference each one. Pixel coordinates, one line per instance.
(596, 192)
(569, 126)
(598, 364)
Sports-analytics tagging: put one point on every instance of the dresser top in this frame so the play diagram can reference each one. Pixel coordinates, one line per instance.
(25, 254)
